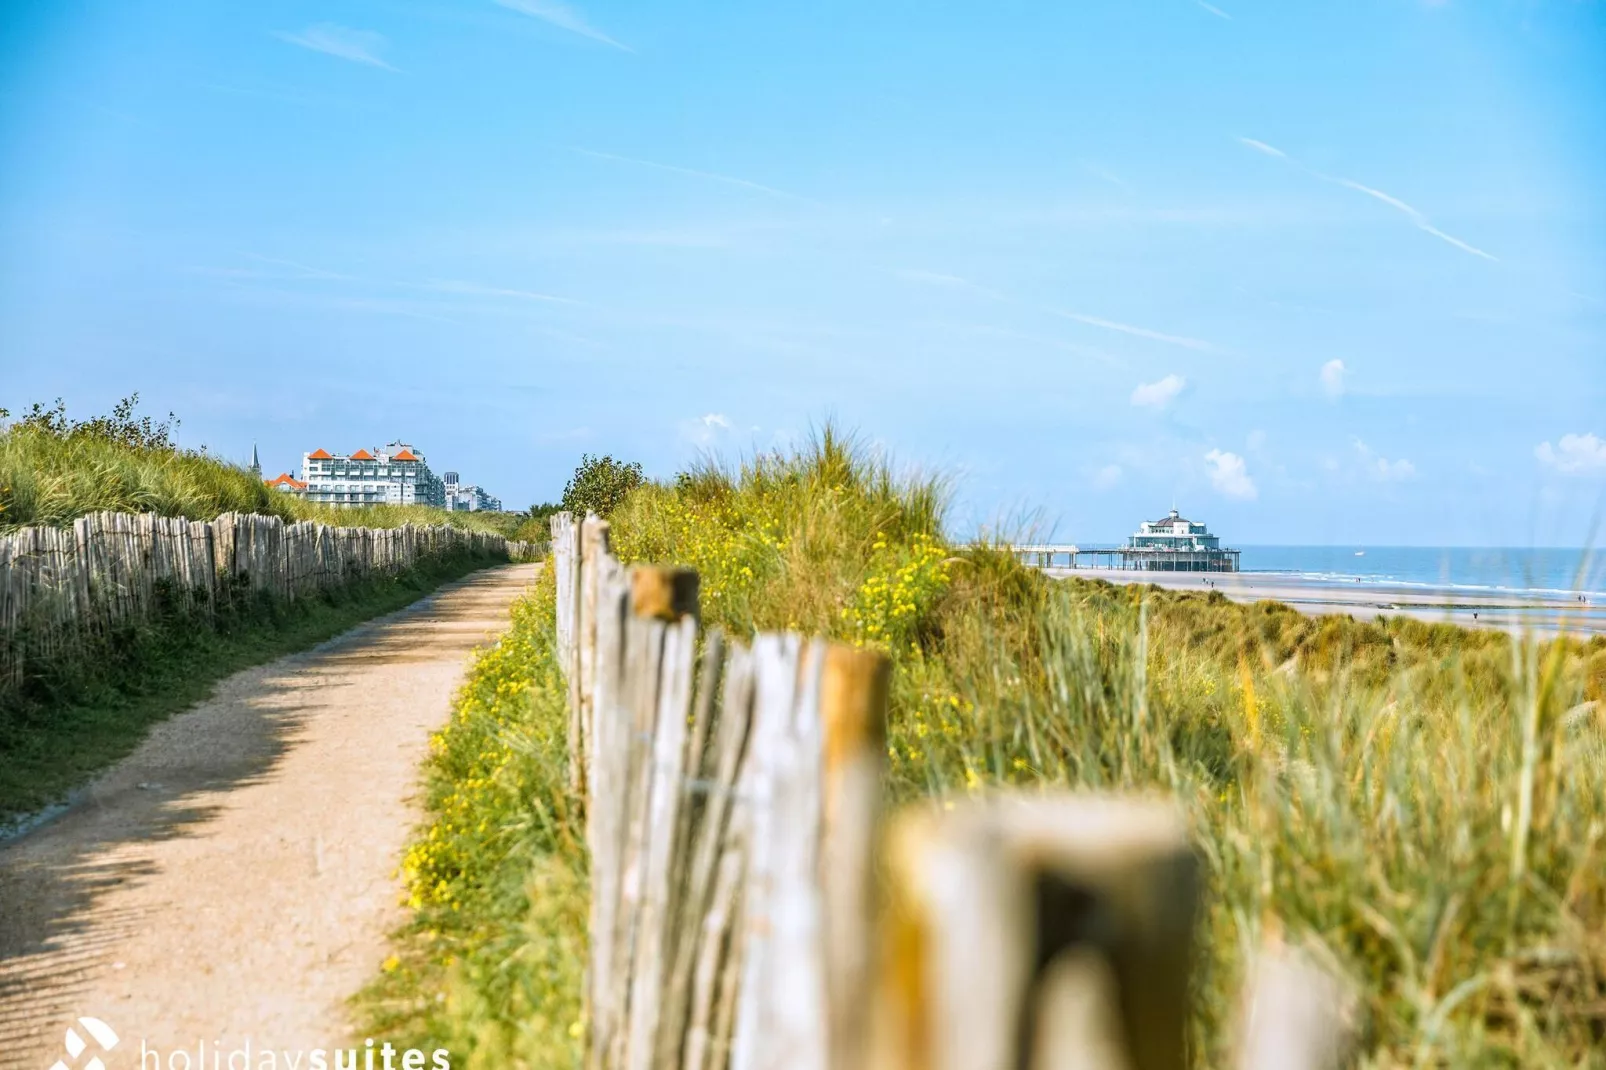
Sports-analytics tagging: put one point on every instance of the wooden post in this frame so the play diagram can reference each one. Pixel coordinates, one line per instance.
(594, 561)
(707, 964)
(1037, 933)
(667, 597)
(781, 1004)
(661, 593)
(566, 570)
(603, 635)
(1297, 1015)
(854, 685)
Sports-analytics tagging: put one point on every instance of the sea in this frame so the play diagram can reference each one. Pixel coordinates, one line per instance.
(1503, 570)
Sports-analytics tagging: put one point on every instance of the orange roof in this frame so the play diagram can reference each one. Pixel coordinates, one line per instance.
(362, 455)
(319, 455)
(286, 479)
(404, 455)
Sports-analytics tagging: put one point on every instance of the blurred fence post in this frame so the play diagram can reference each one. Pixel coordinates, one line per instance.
(1045, 932)
(1296, 1015)
(853, 706)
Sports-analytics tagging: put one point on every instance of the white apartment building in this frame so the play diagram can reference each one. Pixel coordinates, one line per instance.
(468, 497)
(393, 475)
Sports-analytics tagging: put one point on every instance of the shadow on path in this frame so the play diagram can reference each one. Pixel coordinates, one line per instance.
(61, 884)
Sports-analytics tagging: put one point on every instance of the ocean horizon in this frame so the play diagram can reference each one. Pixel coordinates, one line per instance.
(1555, 570)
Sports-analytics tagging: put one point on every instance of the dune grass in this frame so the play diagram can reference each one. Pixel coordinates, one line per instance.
(50, 476)
(1423, 807)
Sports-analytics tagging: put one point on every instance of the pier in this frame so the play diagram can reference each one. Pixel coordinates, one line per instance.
(1171, 544)
(1070, 555)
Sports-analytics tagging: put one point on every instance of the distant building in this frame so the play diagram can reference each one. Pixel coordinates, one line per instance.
(394, 475)
(288, 484)
(1173, 533)
(1173, 544)
(256, 462)
(1170, 544)
(469, 498)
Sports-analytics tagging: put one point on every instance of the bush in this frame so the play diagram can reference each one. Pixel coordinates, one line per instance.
(599, 485)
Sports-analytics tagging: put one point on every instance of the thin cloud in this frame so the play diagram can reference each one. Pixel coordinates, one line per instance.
(988, 330)
(1457, 242)
(303, 271)
(1136, 332)
(563, 17)
(1107, 477)
(452, 286)
(1381, 468)
(1159, 394)
(1261, 146)
(712, 176)
(1106, 174)
(1332, 377)
(279, 270)
(1377, 194)
(342, 42)
(1214, 10)
(1417, 217)
(307, 100)
(933, 278)
(265, 295)
(708, 429)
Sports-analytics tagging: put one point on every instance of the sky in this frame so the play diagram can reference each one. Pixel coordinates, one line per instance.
(1316, 272)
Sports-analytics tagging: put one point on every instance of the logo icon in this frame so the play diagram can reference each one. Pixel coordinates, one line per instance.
(76, 1045)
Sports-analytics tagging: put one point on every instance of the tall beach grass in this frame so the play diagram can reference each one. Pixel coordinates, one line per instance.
(1421, 806)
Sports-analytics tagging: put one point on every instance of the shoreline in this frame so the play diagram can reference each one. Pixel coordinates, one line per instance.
(1532, 612)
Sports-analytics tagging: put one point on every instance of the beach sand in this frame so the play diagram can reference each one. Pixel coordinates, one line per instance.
(1537, 612)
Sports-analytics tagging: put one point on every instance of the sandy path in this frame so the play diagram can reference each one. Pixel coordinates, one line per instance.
(233, 877)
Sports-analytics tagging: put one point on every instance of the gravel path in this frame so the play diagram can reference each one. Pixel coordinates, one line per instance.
(233, 878)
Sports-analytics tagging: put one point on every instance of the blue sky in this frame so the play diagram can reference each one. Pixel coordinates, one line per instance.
(1318, 272)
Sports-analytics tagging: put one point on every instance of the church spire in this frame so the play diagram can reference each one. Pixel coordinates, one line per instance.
(256, 463)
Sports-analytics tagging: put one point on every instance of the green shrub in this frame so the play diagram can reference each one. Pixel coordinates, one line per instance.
(599, 485)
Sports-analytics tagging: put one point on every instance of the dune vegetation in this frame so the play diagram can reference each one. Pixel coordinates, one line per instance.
(1422, 807)
(54, 469)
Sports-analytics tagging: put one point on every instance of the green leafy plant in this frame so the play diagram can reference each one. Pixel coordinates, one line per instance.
(600, 484)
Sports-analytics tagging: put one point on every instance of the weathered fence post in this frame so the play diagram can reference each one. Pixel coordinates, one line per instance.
(1050, 932)
(1297, 1015)
(853, 706)
(595, 560)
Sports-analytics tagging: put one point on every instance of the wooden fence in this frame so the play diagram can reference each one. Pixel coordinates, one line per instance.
(749, 910)
(62, 587)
